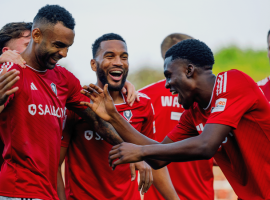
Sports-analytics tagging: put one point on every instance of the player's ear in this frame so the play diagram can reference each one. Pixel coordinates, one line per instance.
(37, 35)
(5, 49)
(190, 70)
(93, 63)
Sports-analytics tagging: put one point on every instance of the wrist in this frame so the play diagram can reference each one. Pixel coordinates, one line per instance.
(143, 152)
(114, 116)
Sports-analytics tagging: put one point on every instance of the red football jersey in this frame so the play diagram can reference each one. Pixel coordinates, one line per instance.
(265, 86)
(1, 152)
(89, 174)
(244, 155)
(31, 127)
(192, 180)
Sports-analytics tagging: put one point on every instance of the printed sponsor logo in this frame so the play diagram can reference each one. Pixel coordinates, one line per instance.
(32, 108)
(219, 105)
(127, 114)
(46, 110)
(90, 134)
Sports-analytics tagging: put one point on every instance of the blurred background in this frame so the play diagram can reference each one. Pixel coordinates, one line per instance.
(236, 31)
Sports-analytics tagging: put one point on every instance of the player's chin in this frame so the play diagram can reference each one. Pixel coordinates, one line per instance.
(115, 86)
(50, 65)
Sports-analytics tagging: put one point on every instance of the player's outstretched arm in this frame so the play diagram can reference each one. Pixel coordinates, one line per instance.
(7, 80)
(200, 147)
(102, 104)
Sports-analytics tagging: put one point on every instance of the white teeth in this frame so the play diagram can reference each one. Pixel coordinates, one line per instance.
(174, 92)
(118, 72)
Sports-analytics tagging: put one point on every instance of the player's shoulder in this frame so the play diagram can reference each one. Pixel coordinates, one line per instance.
(237, 75)
(70, 77)
(263, 81)
(232, 80)
(61, 69)
(153, 86)
(9, 66)
(144, 103)
(144, 98)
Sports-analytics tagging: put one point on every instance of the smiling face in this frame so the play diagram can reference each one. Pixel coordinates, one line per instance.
(111, 64)
(179, 80)
(52, 44)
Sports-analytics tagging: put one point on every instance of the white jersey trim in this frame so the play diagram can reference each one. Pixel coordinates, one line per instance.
(140, 94)
(35, 69)
(263, 82)
(151, 85)
(211, 95)
(123, 99)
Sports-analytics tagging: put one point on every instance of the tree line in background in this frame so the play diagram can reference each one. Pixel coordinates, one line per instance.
(255, 63)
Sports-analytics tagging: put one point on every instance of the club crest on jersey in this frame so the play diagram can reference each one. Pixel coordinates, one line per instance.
(128, 114)
(53, 86)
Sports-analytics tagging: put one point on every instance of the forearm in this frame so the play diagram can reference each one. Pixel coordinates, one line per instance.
(60, 185)
(103, 128)
(163, 184)
(186, 150)
(128, 133)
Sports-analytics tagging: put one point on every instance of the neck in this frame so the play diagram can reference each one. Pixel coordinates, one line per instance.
(30, 57)
(116, 95)
(204, 88)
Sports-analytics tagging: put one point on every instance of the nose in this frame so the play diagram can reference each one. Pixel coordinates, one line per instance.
(63, 52)
(167, 84)
(117, 61)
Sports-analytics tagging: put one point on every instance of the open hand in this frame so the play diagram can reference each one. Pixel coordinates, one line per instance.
(7, 80)
(12, 56)
(126, 152)
(146, 176)
(102, 103)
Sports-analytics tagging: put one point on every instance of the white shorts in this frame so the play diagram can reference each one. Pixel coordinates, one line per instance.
(12, 198)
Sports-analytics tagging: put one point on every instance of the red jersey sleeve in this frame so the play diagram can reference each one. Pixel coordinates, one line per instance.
(71, 120)
(184, 129)
(19, 83)
(148, 125)
(234, 94)
(75, 96)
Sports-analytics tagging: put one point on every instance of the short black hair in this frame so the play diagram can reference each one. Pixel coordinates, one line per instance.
(268, 35)
(54, 14)
(195, 51)
(105, 37)
(13, 30)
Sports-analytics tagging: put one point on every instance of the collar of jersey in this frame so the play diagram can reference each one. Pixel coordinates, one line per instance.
(36, 70)
(211, 95)
(123, 99)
